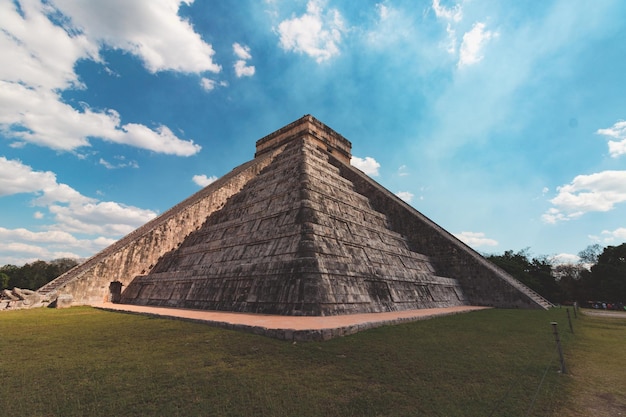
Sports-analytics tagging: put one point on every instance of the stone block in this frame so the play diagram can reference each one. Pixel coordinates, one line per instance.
(64, 301)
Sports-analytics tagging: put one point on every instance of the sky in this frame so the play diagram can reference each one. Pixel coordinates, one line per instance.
(503, 121)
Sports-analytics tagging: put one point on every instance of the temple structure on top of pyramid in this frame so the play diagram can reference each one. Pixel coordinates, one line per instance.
(295, 231)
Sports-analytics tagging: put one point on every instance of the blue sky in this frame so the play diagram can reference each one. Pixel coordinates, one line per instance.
(502, 121)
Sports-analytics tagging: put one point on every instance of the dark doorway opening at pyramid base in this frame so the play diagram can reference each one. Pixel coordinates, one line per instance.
(115, 291)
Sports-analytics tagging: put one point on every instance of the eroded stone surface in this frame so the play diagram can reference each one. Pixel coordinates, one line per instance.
(296, 231)
(296, 240)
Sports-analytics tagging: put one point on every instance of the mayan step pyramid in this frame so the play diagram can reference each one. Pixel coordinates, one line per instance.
(295, 231)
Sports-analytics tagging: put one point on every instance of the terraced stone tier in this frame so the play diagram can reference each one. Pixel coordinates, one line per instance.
(296, 240)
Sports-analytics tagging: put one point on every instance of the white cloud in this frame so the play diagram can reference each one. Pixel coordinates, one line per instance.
(149, 29)
(122, 163)
(553, 215)
(454, 14)
(315, 33)
(367, 165)
(586, 193)
(475, 239)
(383, 11)
(37, 52)
(619, 233)
(564, 259)
(405, 195)
(208, 85)
(38, 65)
(203, 180)
(241, 51)
(474, 106)
(47, 121)
(473, 44)
(403, 171)
(611, 237)
(159, 140)
(393, 26)
(617, 131)
(23, 235)
(72, 211)
(242, 69)
(452, 41)
(17, 178)
(20, 246)
(21, 253)
(106, 164)
(103, 242)
(470, 51)
(104, 218)
(617, 148)
(61, 193)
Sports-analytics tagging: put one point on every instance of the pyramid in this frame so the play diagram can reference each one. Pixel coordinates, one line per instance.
(295, 231)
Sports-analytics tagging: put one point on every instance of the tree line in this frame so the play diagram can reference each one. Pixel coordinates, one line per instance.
(598, 277)
(34, 275)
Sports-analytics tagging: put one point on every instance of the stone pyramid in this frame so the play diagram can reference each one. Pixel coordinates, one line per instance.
(295, 231)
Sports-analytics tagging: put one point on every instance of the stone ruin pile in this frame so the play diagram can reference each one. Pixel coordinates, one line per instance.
(18, 298)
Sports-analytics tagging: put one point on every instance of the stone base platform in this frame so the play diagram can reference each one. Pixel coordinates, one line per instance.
(292, 328)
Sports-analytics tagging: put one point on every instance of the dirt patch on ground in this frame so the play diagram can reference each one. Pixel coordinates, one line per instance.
(604, 405)
(606, 313)
(597, 367)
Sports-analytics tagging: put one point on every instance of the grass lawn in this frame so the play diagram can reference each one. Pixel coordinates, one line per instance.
(598, 368)
(83, 361)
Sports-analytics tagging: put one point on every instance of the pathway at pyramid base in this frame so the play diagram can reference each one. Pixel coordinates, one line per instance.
(296, 240)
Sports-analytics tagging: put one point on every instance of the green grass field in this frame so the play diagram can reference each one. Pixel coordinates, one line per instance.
(87, 362)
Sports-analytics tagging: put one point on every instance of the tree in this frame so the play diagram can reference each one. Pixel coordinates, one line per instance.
(535, 273)
(10, 271)
(608, 275)
(4, 281)
(590, 254)
(575, 280)
(570, 279)
(34, 275)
